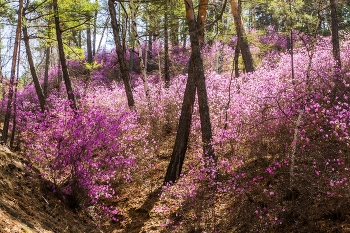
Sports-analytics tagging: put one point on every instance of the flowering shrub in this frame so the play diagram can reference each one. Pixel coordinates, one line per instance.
(78, 150)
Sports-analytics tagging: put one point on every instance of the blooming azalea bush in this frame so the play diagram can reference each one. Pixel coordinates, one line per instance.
(78, 150)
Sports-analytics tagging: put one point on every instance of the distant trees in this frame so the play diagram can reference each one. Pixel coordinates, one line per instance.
(75, 25)
(241, 35)
(13, 73)
(121, 54)
(62, 56)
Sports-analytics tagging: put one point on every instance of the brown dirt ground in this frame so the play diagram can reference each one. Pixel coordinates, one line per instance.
(26, 207)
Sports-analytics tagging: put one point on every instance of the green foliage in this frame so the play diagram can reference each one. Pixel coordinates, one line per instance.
(94, 65)
(222, 29)
(7, 13)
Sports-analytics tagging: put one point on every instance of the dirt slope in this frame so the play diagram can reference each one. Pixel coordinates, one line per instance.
(26, 207)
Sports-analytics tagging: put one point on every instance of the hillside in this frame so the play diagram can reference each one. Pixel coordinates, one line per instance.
(27, 206)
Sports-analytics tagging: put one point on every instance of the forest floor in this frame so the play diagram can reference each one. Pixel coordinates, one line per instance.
(28, 205)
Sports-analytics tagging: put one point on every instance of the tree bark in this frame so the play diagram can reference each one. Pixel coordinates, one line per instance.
(65, 74)
(46, 72)
(94, 32)
(139, 48)
(14, 119)
(89, 45)
(196, 44)
(47, 58)
(13, 73)
(201, 18)
(335, 32)
(178, 155)
(1, 75)
(245, 51)
(38, 89)
(166, 48)
(196, 79)
(236, 57)
(119, 49)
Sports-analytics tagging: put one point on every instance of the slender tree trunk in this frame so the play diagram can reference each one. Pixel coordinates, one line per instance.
(166, 48)
(174, 29)
(2, 80)
(292, 54)
(245, 51)
(79, 39)
(47, 58)
(94, 32)
(89, 45)
(184, 41)
(13, 73)
(335, 32)
(38, 89)
(14, 120)
(237, 52)
(138, 46)
(102, 34)
(65, 74)
(219, 59)
(196, 79)
(119, 49)
(201, 18)
(1, 76)
(46, 74)
(207, 137)
(150, 46)
(291, 42)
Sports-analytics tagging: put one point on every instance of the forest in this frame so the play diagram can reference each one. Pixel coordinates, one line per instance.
(175, 116)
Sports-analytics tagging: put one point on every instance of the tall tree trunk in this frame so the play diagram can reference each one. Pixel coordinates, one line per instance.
(219, 59)
(139, 49)
(236, 57)
(245, 51)
(166, 48)
(174, 29)
(119, 49)
(38, 89)
(201, 18)
(47, 54)
(13, 73)
(46, 72)
(102, 34)
(291, 41)
(14, 119)
(2, 80)
(196, 79)
(202, 95)
(150, 46)
(89, 45)
(335, 32)
(1, 76)
(94, 32)
(178, 155)
(65, 74)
